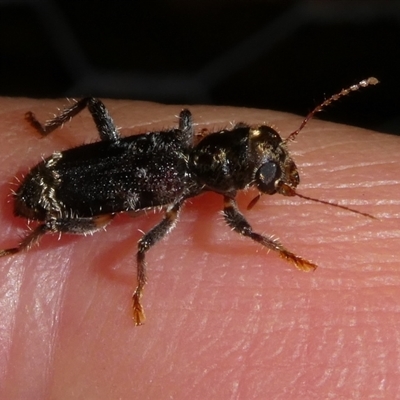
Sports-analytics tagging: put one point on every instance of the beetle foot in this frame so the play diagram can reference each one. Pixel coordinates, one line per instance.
(300, 263)
(138, 312)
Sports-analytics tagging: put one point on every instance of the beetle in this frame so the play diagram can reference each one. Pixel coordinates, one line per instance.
(155, 169)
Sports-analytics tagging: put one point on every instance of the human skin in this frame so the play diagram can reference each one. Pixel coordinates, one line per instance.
(226, 319)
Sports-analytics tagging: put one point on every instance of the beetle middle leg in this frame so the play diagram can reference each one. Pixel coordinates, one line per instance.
(145, 243)
(237, 222)
(104, 123)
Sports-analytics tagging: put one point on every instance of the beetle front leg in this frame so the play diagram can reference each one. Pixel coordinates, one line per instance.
(104, 123)
(145, 243)
(237, 222)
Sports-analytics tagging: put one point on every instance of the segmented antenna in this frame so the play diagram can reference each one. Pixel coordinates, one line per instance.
(289, 191)
(344, 92)
(292, 192)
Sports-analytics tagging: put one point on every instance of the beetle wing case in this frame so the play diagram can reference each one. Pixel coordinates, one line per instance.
(134, 173)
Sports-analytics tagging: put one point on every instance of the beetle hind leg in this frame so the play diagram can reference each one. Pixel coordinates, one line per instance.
(29, 240)
(80, 226)
(83, 226)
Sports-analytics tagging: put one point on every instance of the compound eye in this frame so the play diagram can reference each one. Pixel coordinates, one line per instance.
(266, 177)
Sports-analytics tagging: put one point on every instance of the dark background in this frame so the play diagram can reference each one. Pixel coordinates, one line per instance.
(284, 55)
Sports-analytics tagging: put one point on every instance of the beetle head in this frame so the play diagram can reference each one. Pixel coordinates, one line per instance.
(275, 172)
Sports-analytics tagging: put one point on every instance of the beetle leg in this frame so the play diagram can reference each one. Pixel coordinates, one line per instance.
(145, 243)
(235, 219)
(185, 122)
(105, 124)
(186, 126)
(32, 238)
(82, 226)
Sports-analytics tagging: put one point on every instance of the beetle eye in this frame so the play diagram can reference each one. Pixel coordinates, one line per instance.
(266, 177)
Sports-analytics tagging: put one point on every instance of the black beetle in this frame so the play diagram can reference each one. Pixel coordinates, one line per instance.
(80, 190)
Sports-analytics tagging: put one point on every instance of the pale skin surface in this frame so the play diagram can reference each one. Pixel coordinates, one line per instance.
(225, 318)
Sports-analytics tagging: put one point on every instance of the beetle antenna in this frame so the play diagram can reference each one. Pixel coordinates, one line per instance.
(344, 92)
(289, 191)
(294, 193)
(335, 205)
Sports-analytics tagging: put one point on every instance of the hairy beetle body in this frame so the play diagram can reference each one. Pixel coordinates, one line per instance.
(80, 190)
(136, 172)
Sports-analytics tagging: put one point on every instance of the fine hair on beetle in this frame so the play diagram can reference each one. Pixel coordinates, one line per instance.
(80, 190)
